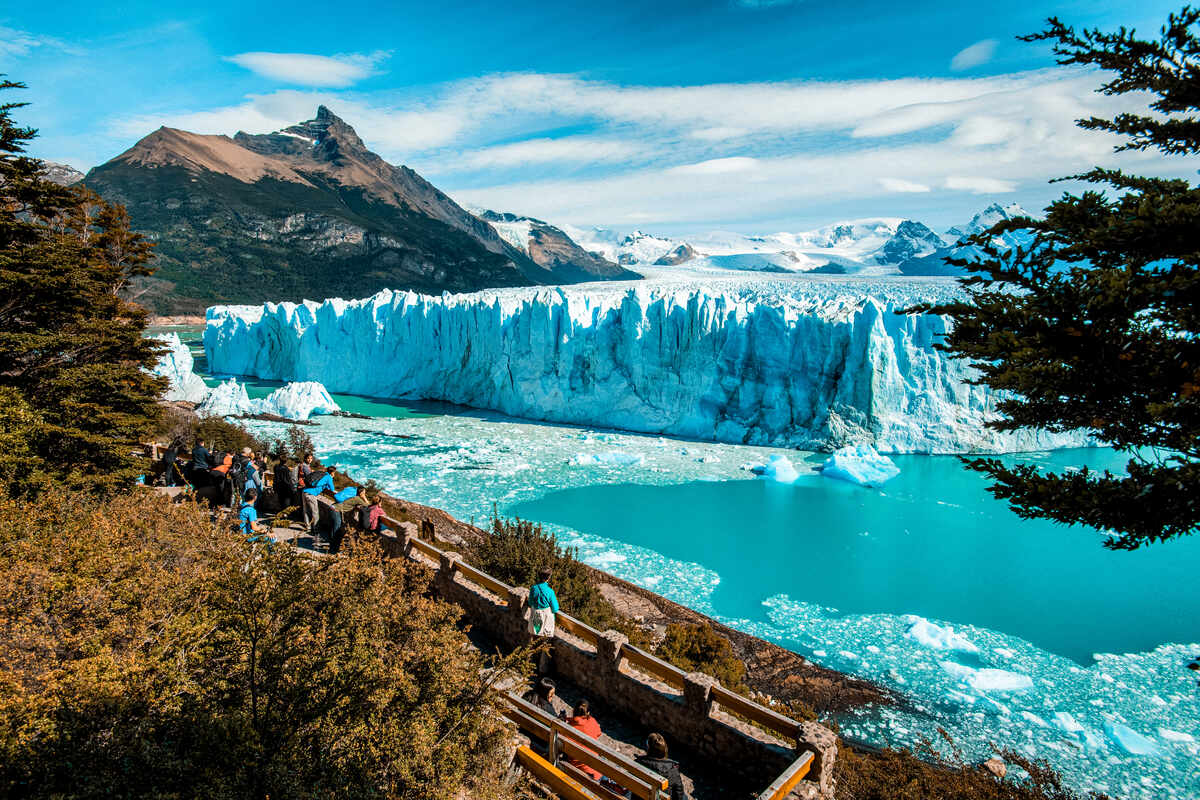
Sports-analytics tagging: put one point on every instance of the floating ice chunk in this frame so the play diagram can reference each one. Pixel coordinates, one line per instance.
(960, 671)
(936, 636)
(612, 458)
(709, 459)
(299, 400)
(1175, 736)
(779, 469)
(1064, 721)
(178, 367)
(999, 680)
(860, 464)
(227, 398)
(1130, 740)
(1029, 716)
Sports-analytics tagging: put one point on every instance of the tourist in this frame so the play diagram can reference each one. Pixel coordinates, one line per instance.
(312, 506)
(375, 515)
(304, 480)
(542, 696)
(252, 477)
(221, 477)
(656, 759)
(582, 720)
(285, 483)
(543, 605)
(170, 458)
(248, 515)
(201, 458)
(340, 513)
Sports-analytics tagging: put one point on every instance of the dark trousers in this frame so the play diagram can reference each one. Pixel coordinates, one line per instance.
(337, 531)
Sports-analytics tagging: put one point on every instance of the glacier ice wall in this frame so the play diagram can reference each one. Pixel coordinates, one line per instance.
(808, 365)
(177, 366)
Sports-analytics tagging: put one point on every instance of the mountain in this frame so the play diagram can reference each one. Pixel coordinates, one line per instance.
(62, 174)
(910, 240)
(680, 255)
(553, 250)
(935, 263)
(305, 212)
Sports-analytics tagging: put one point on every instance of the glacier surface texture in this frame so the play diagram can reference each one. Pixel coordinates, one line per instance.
(807, 364)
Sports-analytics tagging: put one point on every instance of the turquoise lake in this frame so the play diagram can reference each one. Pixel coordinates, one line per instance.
(1043, 640)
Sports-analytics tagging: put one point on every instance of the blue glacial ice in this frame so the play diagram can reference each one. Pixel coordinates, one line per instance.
(178, 367)
(298, 400)
(861, 464)
(794, 363)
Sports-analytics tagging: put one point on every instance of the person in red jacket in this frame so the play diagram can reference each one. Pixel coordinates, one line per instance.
(582, 720)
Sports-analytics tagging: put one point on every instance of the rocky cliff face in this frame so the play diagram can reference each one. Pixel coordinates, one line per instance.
(553, 250)
(306, 212)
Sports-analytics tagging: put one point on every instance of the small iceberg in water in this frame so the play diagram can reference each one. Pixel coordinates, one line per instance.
(298, 401)
(860, 464)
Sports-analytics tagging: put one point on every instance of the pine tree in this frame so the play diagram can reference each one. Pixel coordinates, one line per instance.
(1095, 325)
(70, 345)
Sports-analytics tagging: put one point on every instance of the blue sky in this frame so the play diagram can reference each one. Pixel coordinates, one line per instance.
(671, 116)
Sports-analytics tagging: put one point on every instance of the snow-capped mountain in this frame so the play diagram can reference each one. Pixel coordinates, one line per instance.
(912, 239)
(934, 263)
(62, 174)
(551, 248)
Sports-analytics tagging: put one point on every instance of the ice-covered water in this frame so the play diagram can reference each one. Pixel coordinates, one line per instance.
(987, 623)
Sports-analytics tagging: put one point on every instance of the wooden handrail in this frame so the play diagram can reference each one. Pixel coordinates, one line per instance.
(786, 727)
(578, 629)
(617, 767)
(789, 780)
(426, 549)
(559, 782)
(653, 666)
(481, 578)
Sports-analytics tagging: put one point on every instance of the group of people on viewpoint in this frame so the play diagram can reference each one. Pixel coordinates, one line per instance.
(543, 606)
(240, 481)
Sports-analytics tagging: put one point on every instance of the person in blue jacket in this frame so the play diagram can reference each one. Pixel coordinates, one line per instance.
(248, 516)
(311, 493)
(543, 605)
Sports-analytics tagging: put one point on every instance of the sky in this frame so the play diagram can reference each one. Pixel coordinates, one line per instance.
(670, 116)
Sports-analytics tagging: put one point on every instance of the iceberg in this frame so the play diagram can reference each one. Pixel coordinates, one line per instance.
(609, 459)
(791, 363)
(299, 400)
(937, 637)
(779, 469)
(178, 367)
(1130, 740)
(227, 398)
(860, 464)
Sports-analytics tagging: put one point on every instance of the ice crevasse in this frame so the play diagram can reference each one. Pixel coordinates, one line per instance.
(792, 365)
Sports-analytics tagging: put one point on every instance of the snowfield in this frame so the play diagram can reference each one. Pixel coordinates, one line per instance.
(814, 362)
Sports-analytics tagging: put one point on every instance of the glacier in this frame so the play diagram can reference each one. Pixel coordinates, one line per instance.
(178, 367)
(810, 364)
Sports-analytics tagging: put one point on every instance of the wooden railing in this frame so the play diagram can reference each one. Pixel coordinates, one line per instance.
(789, 780)
(653, 666)
(580, 630)
(560, 783)
(563, 741)
(777, 723)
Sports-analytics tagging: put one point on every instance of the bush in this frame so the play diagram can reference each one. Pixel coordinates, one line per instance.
(698, 648)
(151, 654)
(517, 549)
(184, 426)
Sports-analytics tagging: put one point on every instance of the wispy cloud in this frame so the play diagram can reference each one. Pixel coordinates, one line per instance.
(980, 185)
(305, 69)
(902, 186)
(722, 152)
(976, 55)
(15, 43)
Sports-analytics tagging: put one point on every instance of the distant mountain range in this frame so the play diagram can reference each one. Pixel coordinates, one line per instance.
(310, 212)
(878, 246)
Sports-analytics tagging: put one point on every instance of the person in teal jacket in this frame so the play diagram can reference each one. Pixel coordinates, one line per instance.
(543, 605)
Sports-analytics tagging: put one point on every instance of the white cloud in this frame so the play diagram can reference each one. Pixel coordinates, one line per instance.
(899, 185)
(305, 69)
(575, 149)
(976, 55)
(978, 185)
(16, 43)
(721, 133)
(718, 166)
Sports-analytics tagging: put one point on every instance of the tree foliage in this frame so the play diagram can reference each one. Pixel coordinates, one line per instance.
(70, 345)
(149, 653)
(1095, 325)
(698, 648)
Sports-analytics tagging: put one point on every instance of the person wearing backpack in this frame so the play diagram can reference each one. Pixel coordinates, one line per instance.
(285, 483)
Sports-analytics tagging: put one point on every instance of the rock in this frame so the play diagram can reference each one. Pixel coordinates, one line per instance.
(996, 766)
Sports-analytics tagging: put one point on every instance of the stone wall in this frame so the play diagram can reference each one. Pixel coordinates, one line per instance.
(685, 712)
